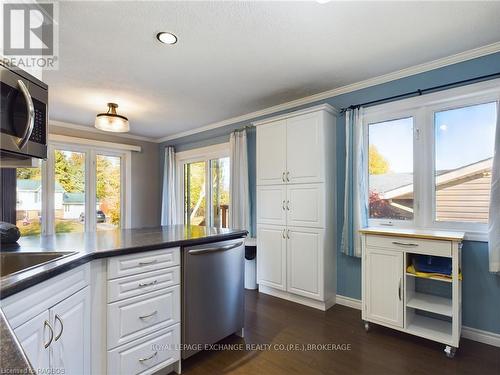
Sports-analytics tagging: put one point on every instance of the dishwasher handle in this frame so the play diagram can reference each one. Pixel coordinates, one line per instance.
(206, 250)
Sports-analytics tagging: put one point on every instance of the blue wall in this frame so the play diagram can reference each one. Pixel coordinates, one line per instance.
(481, 290)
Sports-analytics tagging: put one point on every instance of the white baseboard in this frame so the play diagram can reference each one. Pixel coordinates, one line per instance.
(479, 335)
(349, 302)
(474, 334)
(320, 305)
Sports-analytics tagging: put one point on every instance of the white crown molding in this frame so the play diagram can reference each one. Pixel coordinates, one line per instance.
(322, 107)
(90, 129)
(406, 72)
(485, 337)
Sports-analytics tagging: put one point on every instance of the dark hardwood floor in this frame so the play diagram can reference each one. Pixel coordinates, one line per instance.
(273, 321)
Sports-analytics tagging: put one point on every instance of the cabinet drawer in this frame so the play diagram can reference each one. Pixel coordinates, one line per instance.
(417, 245)
(147, 355)
(131, 286)
(137, 316)
(132, 264)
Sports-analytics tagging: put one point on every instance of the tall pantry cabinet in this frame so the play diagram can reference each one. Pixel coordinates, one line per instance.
(296, 206)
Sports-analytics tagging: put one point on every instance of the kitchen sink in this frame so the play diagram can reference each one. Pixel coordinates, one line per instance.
(11, 263)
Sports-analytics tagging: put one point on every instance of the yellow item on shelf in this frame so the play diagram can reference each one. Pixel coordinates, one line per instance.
(411, 269)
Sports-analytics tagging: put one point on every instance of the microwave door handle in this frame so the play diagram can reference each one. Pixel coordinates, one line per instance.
(30, 122)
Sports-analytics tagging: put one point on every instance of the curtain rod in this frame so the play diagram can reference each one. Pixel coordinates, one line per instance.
(424, 91)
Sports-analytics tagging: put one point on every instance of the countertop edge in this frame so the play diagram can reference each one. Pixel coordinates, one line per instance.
(43, 275)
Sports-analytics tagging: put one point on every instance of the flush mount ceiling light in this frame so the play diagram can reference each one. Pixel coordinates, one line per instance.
(112, 121)
(166, 37)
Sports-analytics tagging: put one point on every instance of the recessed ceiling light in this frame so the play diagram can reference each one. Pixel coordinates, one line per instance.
(166, 37)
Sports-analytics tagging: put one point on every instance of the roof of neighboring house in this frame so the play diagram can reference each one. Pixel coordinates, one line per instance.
(35, 185)
(73, 198)
(392, 185)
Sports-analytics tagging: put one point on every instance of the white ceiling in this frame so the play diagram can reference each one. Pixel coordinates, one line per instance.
(234, 58)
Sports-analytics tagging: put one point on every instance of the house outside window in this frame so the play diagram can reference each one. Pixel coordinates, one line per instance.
(430, 158)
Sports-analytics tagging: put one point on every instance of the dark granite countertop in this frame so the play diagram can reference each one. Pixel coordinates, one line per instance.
(103, 244)
(88, 246)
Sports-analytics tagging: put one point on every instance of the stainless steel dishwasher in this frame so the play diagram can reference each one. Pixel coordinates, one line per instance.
(212, 293)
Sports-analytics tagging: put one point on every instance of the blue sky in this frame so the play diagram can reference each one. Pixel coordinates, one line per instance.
(463, 136)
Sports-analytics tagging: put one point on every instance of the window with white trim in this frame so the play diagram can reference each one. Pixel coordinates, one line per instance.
(80, 187)
(203, 190)
(430, 158)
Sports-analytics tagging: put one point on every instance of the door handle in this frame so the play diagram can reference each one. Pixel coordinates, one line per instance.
(399, 289)
(149, 315)
(148, 358)
(288, 205)
(57, 317)
(30, 121)
(46, 324)
(214, 249)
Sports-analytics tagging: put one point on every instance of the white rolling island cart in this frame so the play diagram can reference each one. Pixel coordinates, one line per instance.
(421, 304)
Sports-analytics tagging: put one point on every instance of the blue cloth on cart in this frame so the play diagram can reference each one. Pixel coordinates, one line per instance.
(432, 264)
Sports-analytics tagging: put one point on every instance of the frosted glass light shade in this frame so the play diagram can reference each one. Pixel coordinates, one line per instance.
(111, 121)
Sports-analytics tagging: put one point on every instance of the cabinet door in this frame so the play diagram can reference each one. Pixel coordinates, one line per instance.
(33, 335)
(271, 153)
(305, 150)
(271, 256)
(305, 206)
(305, 262)
(384, 286)
(271, 204)
(71, 346)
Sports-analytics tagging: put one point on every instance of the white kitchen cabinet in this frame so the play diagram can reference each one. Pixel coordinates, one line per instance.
(384, 283)
(71, 324)
(305, 205)
(305, 148)
(391, 295)
(305, 262)
(300, 204)
(271, 201)
(271, 256)
(33, 336)
(52, 322)
(271, 154)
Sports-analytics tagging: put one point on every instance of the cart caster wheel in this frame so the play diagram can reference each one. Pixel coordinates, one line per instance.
(367, 326)
(450, 351)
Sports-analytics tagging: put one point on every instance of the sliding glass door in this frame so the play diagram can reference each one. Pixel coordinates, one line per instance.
(206, 192)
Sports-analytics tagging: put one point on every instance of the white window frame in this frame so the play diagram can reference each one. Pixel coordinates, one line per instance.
(200, 154)
(91, 149)
(422, 109)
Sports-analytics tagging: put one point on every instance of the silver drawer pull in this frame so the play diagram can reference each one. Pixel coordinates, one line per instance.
(148, 284)
(148, 358)
(404, 243)
(146, 263)
(57, 317)
(46, 324)
(149, 315)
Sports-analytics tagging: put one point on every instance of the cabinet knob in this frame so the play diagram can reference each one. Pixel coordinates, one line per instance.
(283, 205)
(288, 176)
(288, 205)
(283, 177)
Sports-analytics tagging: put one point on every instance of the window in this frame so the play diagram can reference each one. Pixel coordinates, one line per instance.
(28, 202)
(430, 158)
(79, 188)
(390, 169)
(108, 192)
(69, 191)
(464, 143)
(204, 186)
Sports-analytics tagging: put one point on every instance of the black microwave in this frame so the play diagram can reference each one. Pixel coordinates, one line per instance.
(23, 114)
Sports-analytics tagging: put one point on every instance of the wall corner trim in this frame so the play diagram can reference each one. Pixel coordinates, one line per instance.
(485, 337)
